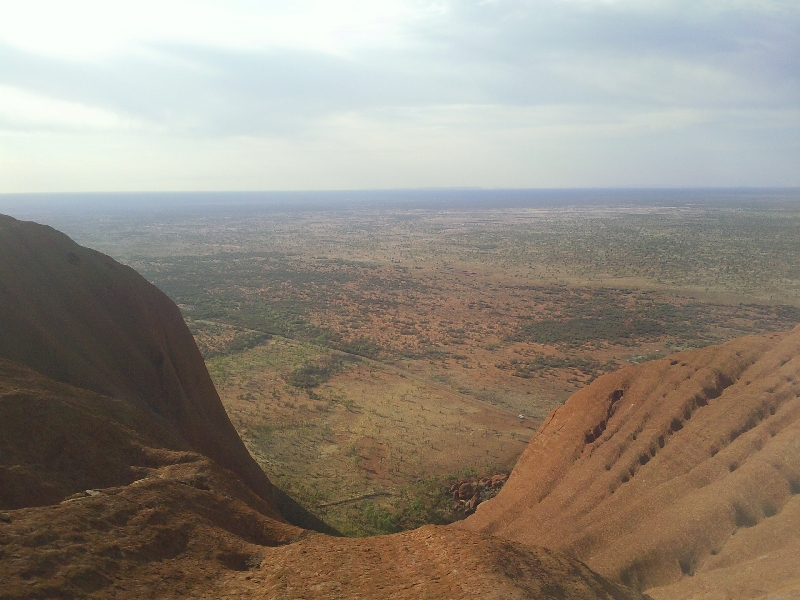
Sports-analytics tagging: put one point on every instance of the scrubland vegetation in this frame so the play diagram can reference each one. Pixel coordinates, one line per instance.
(366, 355)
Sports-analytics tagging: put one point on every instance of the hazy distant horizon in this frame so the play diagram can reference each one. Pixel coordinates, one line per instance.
(38, 204)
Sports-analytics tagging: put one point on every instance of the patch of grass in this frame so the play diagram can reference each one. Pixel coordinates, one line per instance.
(426, 502)
(378, 520)
(314, 374)
(614, 316)
(576, 332)
(360, 347)
(541, 363)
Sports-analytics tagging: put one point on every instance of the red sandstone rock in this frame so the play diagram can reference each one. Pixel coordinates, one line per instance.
(498, 480)
(80, 317)
(465, 491)
(680, 476)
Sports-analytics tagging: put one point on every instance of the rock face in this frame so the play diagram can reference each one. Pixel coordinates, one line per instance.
(81, 318)
(99, 497)
(122, 477)
(430, 562)
(469, 493)
(680, 476)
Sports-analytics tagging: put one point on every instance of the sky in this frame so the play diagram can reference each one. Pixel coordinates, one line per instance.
(313, 95)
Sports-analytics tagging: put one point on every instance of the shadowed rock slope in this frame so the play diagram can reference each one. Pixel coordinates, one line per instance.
(121, 476)
(79, 317)
(680, 476)
(109, 501)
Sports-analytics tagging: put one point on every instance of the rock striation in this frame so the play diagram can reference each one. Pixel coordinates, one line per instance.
(680, 476)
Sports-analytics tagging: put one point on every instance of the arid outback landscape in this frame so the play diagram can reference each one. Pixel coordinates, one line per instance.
(371, 357)
(635, 365)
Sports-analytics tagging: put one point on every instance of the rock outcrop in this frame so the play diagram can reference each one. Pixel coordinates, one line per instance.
(97, 496)
(81, 318)
(469, 493)
(680, 476)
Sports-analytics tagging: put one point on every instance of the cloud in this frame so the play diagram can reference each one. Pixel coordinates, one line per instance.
(95, 29)
(24, 111)
(585, 70)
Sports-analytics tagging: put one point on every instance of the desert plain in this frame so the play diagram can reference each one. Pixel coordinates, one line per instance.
(370, 357)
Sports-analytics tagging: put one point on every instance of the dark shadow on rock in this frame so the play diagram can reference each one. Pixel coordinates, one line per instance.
(300, 516)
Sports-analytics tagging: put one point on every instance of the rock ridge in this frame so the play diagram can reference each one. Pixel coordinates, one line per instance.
(81, 318)
(657, 474)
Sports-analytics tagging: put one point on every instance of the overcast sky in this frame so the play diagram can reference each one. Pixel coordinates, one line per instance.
(246, 95)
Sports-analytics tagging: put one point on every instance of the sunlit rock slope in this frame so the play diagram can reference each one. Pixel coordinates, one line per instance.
(679, 476)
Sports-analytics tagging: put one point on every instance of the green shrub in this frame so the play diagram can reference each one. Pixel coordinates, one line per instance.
(379, 520)
(314, 374)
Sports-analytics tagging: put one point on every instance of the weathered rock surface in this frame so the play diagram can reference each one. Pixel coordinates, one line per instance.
(100, 497)
(79, 317)
(469, 493)
(680, 476)
(430, 562)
